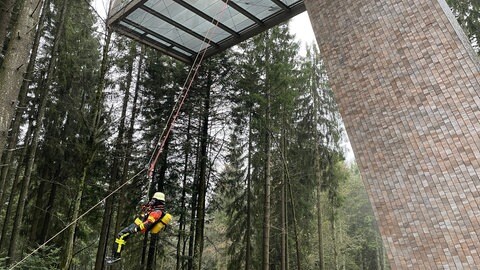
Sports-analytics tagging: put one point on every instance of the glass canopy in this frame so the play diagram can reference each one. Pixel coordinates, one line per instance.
(186, 28)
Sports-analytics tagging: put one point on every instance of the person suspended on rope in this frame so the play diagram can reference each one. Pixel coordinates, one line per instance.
(153, 219)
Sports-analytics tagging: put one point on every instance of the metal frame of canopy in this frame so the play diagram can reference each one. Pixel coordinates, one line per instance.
(179, 27)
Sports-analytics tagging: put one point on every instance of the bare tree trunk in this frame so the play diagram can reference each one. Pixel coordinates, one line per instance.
(27, 177)
(22, 103)
(129, 141)
(12, 251)
(317, 164)
(283, 216)
(381, 254)
(57, 177)
(131, 131)
(193, 214)
(182, 225)
(143, 260)
(48, 211)
(267, 187)
(248, 249)
(378, 253)
(157, 185)
(202, 185)
(334, 239)
(14, 65)
(6, 10)
(152, 248)
(115, 169)
(294, 215)
(38, 211)
(16, 184)
(68, 254)
(194, 200)
(318, 174)
(36, 135)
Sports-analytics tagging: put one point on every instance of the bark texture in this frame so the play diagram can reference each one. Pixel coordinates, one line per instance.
(15, 63)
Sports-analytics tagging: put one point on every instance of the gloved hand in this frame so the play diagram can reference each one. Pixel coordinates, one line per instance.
(133, 228)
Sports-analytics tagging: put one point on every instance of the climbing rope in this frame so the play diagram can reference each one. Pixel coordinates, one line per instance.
(161, 143)
(186, 88)
(75, 221)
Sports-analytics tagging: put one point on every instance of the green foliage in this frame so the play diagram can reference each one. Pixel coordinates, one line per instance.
(46, 258)
(467, 13)
(361, 241)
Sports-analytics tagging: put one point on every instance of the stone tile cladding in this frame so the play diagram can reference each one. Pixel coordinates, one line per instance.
(408, 85)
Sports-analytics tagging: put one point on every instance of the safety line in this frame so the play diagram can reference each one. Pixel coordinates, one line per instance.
(172, 118)
(75, 221)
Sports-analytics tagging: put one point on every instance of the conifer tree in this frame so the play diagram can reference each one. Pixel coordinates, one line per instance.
(467, 13)
(15, 62)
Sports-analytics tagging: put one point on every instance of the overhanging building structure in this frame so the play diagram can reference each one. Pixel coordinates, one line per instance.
(184, 29)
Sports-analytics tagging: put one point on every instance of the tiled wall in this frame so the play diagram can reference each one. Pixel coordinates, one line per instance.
(408, 87)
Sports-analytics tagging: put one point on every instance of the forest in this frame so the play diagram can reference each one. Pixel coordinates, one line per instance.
(253, 169)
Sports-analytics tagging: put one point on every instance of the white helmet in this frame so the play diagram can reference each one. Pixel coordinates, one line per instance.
(159, 196)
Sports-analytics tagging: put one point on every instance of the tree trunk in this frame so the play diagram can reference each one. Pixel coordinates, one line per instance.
(193, 214)
(294, 215)
(48, 212)
(381, 253)
(145, 249)
(318, 174)
(248, 249)
(13, 67)
(22, 103)
(36, 135)
(6, 10)
(267, 187)
(115, 169)
(130, 132)
(57, 178)
(194, 201)
(181, 225)
(317, 166)
(202, 184)
(38, 211)
(12, 253)
(334, 239)
(283, 216)
(152, 248)
(16, 184)
(91, 149)
(129, 139)
(158, 185)
(68, 251)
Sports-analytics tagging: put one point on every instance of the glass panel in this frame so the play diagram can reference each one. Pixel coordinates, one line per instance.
(159, 40)
(180, 51)
(260, 8)
(290, 2)
(139, 32)
(188, 19)
(220, 11)
(171, 32)
(119, 4)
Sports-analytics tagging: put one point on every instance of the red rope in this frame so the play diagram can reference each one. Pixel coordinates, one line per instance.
(179, 104)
